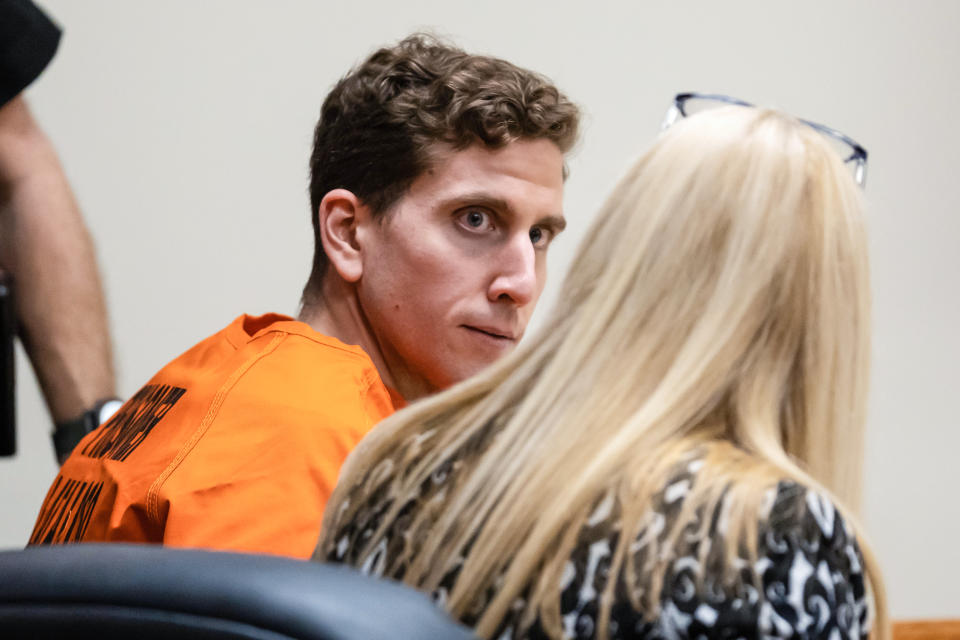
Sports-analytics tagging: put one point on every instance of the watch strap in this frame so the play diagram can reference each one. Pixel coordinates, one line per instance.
(70, 432)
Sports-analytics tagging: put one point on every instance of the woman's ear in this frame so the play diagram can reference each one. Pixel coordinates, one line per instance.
(339, 214)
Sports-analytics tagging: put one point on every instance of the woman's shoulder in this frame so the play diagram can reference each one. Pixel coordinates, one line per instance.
(811, 568)
(805, 520)
(802, 577)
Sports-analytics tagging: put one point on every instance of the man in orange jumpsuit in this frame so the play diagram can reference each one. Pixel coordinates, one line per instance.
(436, 189)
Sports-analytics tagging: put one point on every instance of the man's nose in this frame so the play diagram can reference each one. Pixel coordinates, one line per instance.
(515, 273)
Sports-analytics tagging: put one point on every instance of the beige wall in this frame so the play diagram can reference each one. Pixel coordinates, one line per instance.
(185, 129)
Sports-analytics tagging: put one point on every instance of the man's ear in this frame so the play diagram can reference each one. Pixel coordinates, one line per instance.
(339, 214)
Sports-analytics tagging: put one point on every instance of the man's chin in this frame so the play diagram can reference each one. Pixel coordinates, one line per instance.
(465, 371)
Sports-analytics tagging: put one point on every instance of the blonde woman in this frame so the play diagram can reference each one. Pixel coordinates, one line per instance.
(678, 452)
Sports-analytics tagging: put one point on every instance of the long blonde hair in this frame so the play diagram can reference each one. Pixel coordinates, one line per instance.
(720, 297)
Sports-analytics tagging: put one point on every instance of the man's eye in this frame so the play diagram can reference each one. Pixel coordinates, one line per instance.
(476, 219)
(541, 237)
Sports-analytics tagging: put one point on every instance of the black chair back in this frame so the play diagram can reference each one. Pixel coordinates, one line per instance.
(146, 592)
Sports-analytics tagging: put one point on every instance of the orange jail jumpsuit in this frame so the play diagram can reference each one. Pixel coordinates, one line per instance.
(234, 445)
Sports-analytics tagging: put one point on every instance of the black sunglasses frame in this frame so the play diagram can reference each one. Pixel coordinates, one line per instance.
(859, 154)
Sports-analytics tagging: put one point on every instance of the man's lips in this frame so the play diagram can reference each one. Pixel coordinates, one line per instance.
(493, 332)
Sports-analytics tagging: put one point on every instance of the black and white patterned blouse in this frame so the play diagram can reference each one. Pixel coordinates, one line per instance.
(808, 561)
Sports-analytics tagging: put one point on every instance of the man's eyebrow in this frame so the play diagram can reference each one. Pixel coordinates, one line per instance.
(476, 199)
(482, 199)
(557, 223)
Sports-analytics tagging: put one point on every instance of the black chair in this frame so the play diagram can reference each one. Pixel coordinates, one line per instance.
(146, 592)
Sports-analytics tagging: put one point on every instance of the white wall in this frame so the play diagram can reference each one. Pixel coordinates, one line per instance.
(185, 127)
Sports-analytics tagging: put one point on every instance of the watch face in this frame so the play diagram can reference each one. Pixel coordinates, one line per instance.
(107, 409)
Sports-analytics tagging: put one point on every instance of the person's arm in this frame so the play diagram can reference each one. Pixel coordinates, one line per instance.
(812, 571)
(44, 243)
(812, 580)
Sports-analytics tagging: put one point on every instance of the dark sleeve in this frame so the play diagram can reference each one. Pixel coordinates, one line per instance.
(811, 581)
(812, 571)
(28, 40)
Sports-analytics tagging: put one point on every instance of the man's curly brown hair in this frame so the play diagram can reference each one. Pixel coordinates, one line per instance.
(380, 122)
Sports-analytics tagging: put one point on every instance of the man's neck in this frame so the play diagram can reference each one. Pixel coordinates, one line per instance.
(336, 312)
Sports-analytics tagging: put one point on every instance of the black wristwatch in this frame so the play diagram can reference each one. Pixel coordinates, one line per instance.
(68, 433)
